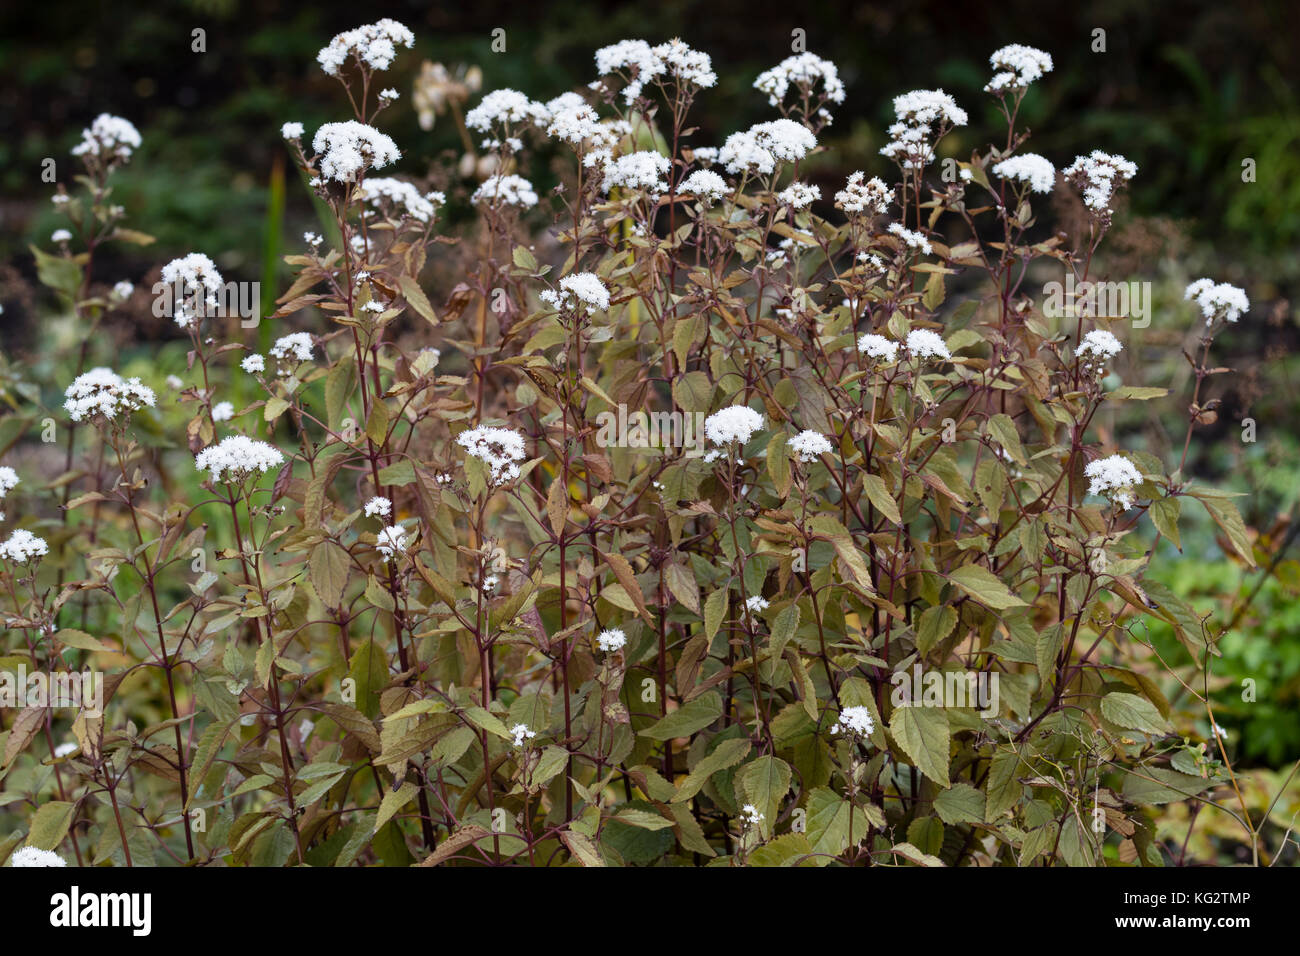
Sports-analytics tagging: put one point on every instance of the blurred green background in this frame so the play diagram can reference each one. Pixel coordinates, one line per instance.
(1186, 90)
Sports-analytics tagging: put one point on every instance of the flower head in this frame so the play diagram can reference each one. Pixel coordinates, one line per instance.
(756, 604)
(522, 735)
(391, 541)
(878, 347)
(378, 506)
(401, 198)
(871, 197)
(374, 45)
(644, 171)
(109, 139)
(501, 449)
(505, 191)
(913, 239)
(1113, 477)
(1097, 347)
(296, 346)
(611, 640)
(579, 290)
(1029, 168)
(253, 363)
(705, 185)
(759, 149)
(810, 445)
(22, 546)
(1218, 300)
(923, 343)
(854, 722)
(223, 412)
(1016, 67)
(348, 148)
(803, 71)
(102, 393)
(31, 856)
(735, 424)
(8, 480)
(1097, 176)
(798, 195)
(237, 457)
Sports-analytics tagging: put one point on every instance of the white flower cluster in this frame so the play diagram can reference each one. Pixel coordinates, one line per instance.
(223, 411)
(804, 71)
(611, 640)
(102, 393)
(253, 363)
(1114, 477)
(348, 148)
(8, 480)
(756, 604)
(735, 424)
(759, 148)
(505, 191)
(1029, 168)
(378, 506)
(810, 445)
(924, 343)
(109, 139)
(375, 45)
(878, 347)
(854, 722)
(576, 122)
(913, 239)
(1218, 299)
(643, 170)
(235, 458)
(60, 235)
(123, 289)
(400, 195)
(291, 131)
(750, 816)
(923, 117)
(31, 856)
(1096, 348)
(1097, 176)
(194, 277)
(391, 541)
(639, 63)
(521, 735)
(22, 546)
(295, 345)
(586, 288)
(502, 110)
(871, 197)
(501, 449)
(798, 195)
(1017, 66)
(705, 185)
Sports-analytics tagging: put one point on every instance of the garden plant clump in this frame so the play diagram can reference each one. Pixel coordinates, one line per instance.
(703, 520)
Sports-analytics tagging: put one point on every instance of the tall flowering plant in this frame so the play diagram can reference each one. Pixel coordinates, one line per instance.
(873, 594)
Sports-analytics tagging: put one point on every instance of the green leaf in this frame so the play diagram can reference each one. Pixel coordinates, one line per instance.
(417, 300)
(715, 608)
(1133, 712)
(833, 823)
(1139, 393)
(1003, 428)
(1164, 515)
(693, 392)
(984, 587)
(924, 735)
(935, 624)
(1228, 518)
(50, 824)
(880, 497)
(765, 782)
(727, 754)
(328, 568)
(685, 720)
(961, 803)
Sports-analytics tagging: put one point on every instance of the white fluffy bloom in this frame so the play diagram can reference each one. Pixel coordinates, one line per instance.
(804, 71)
(109, 138)
(735, 424)
(101, 392)
(1218, 299)
(223, 412)
(31, 856)
(378, 506)
(923, 343)
(521, 734)
(1097, 176)
(585, 288)
(644, 170)
(914, 240)
(64, 749)
(798, 195)
(397, 195)
(923, 117)
(1029, 168)
(123, 289)
(22, 546)
(503, 109)
(1016, 67)
(871, 197)
(391, 541)
(704, 155)
(253, 363)
(611, 640)
(237, 457)
(756, 604)
(8, 480)
(501, 449)
(1098, 346)
(1113, 477)
(291, 130)
(60, 235)
(576, 122)
(878, 347)
(194, 279)
(348, 148)
(705, 185)
(750, 816)
(507, 191)
(295, 345)
(854, 722)
(374, 44)
(762, 146)
(810, 445)
(640, 63)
